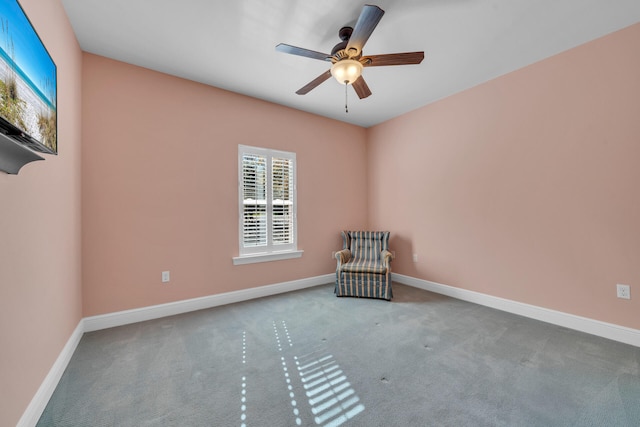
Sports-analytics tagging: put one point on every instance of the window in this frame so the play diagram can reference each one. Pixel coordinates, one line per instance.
(267, 205)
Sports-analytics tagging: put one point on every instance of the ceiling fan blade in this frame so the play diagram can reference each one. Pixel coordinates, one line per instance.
(294, 50)
(361, 88)
(392, 59)
(367, 22)
(314, 83)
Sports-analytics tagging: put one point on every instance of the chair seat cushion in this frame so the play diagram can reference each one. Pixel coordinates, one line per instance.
(364, 266)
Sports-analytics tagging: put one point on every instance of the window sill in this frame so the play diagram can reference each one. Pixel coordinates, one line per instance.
(273, 256)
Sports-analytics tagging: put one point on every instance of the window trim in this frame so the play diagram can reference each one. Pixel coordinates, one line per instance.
(266, 257)
(270, 252)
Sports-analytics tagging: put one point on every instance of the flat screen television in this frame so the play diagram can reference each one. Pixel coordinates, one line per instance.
(28, 83)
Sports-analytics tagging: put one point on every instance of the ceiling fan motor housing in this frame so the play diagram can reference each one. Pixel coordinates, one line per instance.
(344, 34)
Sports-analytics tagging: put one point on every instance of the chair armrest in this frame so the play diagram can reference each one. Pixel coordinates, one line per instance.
(343, 256)
(387, 257)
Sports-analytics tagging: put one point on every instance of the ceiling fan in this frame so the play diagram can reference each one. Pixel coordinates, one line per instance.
(347, 58)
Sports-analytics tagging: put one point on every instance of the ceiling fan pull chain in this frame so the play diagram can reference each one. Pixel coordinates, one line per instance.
(346, 109)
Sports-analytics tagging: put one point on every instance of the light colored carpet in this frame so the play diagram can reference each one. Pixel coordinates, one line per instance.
(309, 358)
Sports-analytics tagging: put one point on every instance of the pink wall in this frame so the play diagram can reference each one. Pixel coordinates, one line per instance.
(40, 296)
(525, 187)
(159, 168)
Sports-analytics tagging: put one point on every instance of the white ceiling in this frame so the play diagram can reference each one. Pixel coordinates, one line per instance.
(230, 44)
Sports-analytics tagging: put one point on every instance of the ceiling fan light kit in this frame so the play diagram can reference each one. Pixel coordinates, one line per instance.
(347, 58)
(346, 71)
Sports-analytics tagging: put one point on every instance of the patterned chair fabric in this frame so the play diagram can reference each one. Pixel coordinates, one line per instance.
(364, 265)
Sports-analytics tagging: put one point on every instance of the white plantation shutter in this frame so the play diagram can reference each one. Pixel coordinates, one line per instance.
(267, 200)
(254, 200)
(282, 194)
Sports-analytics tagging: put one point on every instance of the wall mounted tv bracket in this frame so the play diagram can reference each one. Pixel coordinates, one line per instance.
(14, 155)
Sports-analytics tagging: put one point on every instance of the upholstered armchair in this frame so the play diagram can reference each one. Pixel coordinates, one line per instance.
(364, 265)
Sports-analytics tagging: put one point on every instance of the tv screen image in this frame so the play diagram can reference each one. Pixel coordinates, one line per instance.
(28, 83)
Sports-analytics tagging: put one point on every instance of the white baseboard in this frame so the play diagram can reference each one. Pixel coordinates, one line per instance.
(583, 324)
(33, 412)
(126, 317)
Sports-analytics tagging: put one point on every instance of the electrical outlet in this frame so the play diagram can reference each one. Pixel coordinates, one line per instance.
(166, 277)
(624, 291)
(415, 257)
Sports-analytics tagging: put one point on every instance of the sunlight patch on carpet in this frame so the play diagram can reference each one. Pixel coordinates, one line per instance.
(333, 401)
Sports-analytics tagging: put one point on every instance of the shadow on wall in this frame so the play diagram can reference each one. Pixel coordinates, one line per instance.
(403, 248)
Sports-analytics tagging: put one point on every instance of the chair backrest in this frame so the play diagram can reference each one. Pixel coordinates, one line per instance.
(365, 245)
